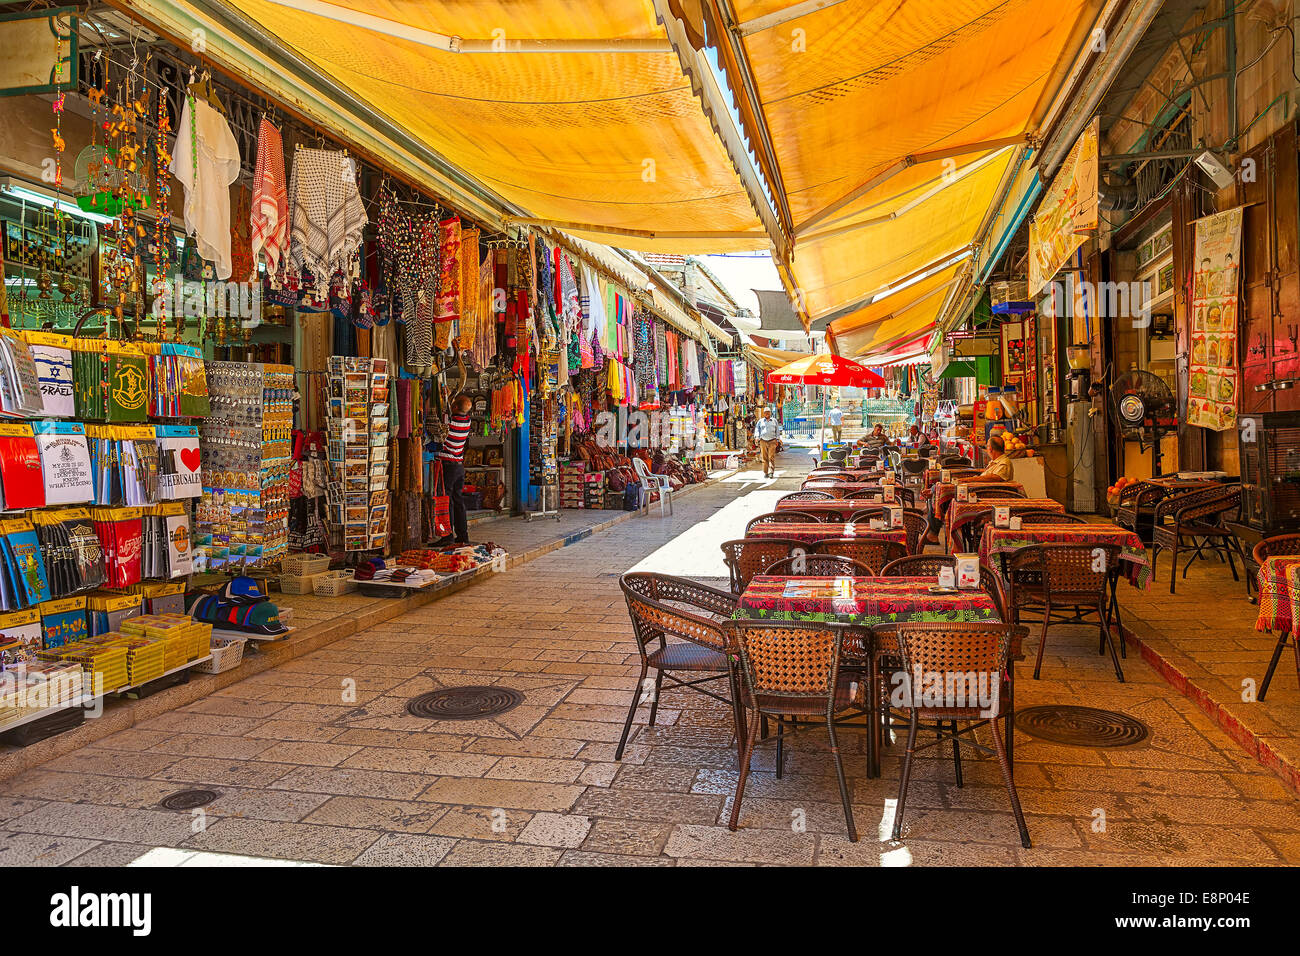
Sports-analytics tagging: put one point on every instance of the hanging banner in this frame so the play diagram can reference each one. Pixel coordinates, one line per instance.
(1212, 376)
(1068, 213)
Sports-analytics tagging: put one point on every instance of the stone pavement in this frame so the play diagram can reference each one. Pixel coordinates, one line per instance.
(317, 761)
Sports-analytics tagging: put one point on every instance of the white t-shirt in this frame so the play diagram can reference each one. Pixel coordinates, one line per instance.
(835, 416)
(215, 158)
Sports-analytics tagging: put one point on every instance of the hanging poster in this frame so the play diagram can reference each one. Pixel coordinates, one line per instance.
(1068, 212)
(1212, 376)
(65, 462)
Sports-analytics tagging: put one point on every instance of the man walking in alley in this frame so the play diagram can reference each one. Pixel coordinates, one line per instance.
(766, 434)
(452, 460)
(835, 418)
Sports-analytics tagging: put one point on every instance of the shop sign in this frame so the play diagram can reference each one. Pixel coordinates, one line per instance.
(1212, 381)
(1068, 213)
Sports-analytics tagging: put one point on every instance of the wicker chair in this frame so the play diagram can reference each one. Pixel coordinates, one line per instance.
(873, 552)
(807, 496)
(951, 652)
(915, 467)
(1199, 516)
(1136, 502)
(790, 670)
(663, 606)
(918, 566)
(1077, 576)
(819, 566)
(914, 524)
(747, 557)
(1048, 517)
(978, 491)
(955, 461)
(972, 529)
(1282, 544)
(782, 517)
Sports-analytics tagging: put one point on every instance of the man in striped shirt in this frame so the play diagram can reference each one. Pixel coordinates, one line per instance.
(452, 459)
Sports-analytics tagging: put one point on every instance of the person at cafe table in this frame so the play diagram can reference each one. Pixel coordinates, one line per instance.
(998, 469)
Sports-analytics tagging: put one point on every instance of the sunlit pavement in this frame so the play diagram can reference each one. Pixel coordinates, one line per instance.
(318, 761)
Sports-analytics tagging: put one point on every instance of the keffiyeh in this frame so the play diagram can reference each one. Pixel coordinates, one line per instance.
(269, 212)
(328, 215)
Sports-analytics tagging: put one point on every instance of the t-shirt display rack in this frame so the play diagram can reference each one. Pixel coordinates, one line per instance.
(99, 458)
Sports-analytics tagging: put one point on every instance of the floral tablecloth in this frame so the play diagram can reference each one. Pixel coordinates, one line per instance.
(1279, 593)
(960, 512)
(860, 602)
(856, 474)
(997, 542)
(816, 531)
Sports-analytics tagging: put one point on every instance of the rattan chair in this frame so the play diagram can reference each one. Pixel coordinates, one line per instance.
(1048, 517)
(914, 524)
(807, 496)
(663, 606)
(1053, 576)
(928, 565)
(1280, 544)
(782, 517)
(819, 566)
(955, 461)
(747, 557)
(978, 491)
(873, 552)
(790, 670)
(948, 654)
(1195, 518)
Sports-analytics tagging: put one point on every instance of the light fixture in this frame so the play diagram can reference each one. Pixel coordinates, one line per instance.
(1214, 167)
(23, 192)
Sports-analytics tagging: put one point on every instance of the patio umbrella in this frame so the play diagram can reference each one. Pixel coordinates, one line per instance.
(825, 369)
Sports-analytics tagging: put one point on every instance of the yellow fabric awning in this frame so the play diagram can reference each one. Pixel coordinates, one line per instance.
(908, 309)
(605, 137)
(772, 359)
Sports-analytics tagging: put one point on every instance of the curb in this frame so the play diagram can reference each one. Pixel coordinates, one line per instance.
(1253, 743)
(125, 714)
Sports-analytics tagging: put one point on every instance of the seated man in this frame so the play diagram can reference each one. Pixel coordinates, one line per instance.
(998, 469)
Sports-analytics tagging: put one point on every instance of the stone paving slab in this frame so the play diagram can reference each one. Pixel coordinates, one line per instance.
(307, 775)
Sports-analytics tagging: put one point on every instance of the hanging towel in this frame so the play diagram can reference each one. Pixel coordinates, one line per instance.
(328, 215)
(269, 212)
(206, 161)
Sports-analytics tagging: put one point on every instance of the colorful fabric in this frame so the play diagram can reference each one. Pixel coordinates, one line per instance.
(857, 489)
(1279, 592)
(269, 211)
(860, 602)
(997, 542)
(470, 303)
(819, 530)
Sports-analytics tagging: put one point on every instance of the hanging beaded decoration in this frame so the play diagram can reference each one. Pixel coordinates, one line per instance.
(60, 217)
(163, 223)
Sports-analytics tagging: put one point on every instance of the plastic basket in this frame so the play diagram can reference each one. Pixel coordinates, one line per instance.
(227, 652)
(334, 584)
(297, 583)
(303, 565)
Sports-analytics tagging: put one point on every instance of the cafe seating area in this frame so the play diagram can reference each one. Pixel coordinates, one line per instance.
(837, 611)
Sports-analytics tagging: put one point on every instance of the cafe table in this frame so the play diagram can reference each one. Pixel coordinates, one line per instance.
(961, 513)
(811, 532)
(862, 604)
(841, 508)
(996, 543)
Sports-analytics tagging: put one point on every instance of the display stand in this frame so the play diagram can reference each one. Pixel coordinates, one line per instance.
(357, 431)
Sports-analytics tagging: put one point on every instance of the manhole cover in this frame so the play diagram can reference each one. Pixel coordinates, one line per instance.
(464, 703)
(188, 799)
(1081, 726)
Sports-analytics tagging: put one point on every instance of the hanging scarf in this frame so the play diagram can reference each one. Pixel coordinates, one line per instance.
(328, 215)
(470, 292)
(448, 305)
(269, 213)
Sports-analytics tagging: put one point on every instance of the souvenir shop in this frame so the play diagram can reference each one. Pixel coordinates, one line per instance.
(229, 348)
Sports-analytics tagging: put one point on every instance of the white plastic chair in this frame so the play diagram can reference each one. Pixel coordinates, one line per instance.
(652, 482)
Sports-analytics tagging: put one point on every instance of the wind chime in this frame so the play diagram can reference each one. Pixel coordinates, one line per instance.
(162, 251)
